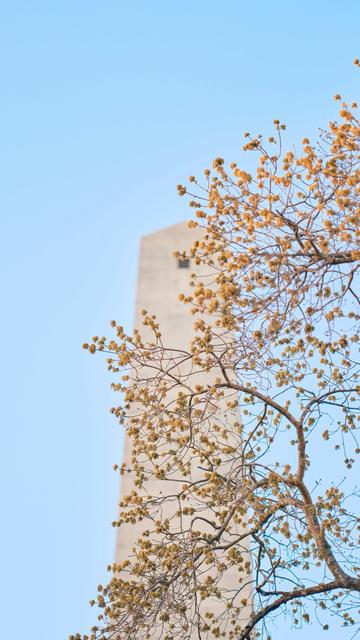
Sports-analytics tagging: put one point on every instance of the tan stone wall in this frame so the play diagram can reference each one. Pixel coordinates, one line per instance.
(159, 283)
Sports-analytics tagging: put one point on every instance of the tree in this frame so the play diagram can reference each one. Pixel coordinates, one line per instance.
(276, 314)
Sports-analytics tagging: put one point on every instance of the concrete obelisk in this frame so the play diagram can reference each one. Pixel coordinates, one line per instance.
(161, 278)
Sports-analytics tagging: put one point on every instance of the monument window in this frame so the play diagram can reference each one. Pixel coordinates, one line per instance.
(183, 263)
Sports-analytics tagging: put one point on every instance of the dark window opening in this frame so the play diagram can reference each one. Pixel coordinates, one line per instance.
(183, 263)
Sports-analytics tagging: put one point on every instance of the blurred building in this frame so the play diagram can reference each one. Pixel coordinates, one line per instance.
(161, 278)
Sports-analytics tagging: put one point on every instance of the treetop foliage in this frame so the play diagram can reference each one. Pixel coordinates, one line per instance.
(247, 528)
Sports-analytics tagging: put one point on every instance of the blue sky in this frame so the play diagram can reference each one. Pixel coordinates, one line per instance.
(105, 107)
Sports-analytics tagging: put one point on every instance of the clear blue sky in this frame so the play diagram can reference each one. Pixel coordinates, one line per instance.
(105, 107)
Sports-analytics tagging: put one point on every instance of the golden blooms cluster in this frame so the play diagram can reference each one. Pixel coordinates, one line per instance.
(229, 430)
